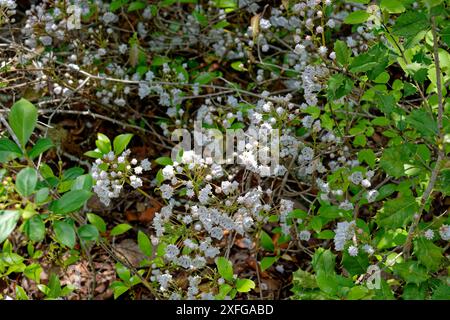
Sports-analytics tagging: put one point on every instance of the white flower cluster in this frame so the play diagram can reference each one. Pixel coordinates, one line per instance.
(111, 172)
(343, 232)
(311, 82)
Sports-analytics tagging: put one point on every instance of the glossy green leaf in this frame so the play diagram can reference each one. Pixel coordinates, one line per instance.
(40, 147)
(71, 201)
(8, 221)
(225, 268)
(97, 221)
(120, 229)
(121, 142)
(23, 120)
(145, 244)
(26, 181)
(64, 233)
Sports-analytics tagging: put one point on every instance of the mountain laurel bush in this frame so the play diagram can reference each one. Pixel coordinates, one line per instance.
(357, 91)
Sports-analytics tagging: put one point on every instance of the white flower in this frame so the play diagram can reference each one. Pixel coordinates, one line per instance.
(365, 183)
(372, 195)
(356, 177)
(168, 172)
(164, 280)
(323, 50)
(429, 234)
(166, 191)
(346, 205)
(343, 232)
(184, 261)
(369, 249)
(203, 195)
(353, 251)
(135, 182)
(172, 252)
(217, 233)
(264, 24)
(146, 165)
(138, 170)
(304, 235)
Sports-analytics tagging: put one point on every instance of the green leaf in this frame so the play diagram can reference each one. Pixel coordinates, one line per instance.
(159, 61)
(83, 182)
(367, 156)
(226, 4)
(392, 6)
(393, 160)
(355, 265)
(324, 260)
(33, 272)
(339, 86)
(358, 1)
(304, 279)
(441, 292)
(445, 33)
(423, 122)
(225, 268)
(71, 201)
(40, 147)
(41, 195)
(93, 154)
(413, 292)
(206, 77)
(244, 285)
(121, 142)
(342, 52)
(21, 293)
(23, 120)
(103, 143)
(325, 234)
(410, 24)
(120, 229)
(119, 289)
(267, 262)
(54, 286)
(164, 161)
(136, 5)
(35, 228)
(397, 213)
(411, 272)
(357, 293)
(26, 181)
(357, 17)
(8, 150)
(88, 232)
(117, 4)
(432, 3)
(64, 233)
(145, 244)
(266, 241)
(72, 173)
(363, 62)
(429, 254)
(8, 221)
(238, 66)
(97, 221)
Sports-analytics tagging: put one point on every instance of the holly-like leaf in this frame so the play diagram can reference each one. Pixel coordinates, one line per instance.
(429, 254)
(397, 213)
